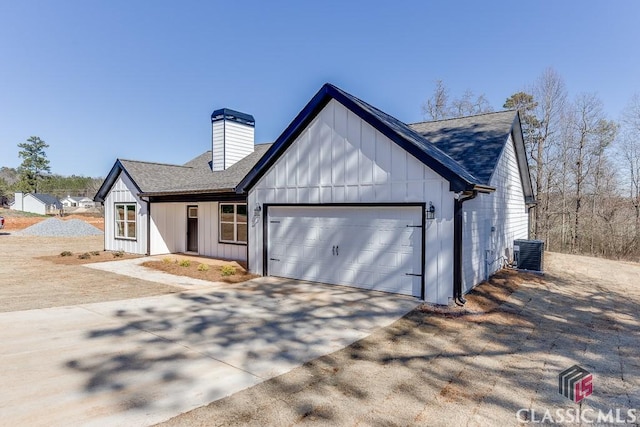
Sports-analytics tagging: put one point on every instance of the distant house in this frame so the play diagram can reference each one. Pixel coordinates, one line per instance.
(43, 204)
(346, 195)
(77, 202)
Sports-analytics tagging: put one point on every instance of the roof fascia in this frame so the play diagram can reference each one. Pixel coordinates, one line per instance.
(521, 157)
(295, 128)
(111, 178)
(312, 109)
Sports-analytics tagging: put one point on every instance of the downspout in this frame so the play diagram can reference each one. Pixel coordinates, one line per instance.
(148, 225)
(459, 199)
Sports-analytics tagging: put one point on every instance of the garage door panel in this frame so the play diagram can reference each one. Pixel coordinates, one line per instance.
(367, 247)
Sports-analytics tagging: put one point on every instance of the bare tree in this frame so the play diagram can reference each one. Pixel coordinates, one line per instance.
(550, 94)
(469, 104)
(437, 106)
(593, 134)
(630, 153)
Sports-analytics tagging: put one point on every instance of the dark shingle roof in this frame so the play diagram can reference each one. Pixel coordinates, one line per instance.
(475, 142)
(47, 199)
(430, 154)
(193, 177)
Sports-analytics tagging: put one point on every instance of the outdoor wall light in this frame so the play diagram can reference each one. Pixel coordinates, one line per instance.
(431, 211)
(257, 210)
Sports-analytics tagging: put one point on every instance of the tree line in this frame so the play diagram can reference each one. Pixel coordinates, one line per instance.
(585, 166)
(34, 176)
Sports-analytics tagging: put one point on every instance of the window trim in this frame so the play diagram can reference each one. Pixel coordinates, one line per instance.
(235, 224)
(125, 221)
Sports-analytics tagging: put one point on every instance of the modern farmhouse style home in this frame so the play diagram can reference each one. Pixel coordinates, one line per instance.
(347, 195)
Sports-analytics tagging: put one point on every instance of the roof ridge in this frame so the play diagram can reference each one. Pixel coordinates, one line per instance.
(463, 117)
(156, 163)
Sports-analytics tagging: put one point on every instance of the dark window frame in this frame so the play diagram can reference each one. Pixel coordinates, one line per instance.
(235, 223)
(125, 221)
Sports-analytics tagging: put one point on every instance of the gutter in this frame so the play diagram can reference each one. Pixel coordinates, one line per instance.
(459, 199)
(186, 192)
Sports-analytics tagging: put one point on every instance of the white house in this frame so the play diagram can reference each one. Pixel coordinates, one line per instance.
(153, 208)
(43, 204)
(77, 202)
(346, 195)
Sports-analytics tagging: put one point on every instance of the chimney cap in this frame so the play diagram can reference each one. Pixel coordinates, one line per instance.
(232, 115)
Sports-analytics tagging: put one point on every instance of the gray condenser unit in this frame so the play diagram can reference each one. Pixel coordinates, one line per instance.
(528, 254)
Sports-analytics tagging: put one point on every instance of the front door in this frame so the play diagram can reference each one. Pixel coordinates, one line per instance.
(192, 229)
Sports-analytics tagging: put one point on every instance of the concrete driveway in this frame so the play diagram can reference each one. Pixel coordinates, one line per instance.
(142, 361)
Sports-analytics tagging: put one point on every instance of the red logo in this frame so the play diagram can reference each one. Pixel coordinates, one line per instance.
(575, 383)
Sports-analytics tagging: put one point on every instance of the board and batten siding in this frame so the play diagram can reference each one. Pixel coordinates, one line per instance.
(169, 231)
(231, 142)
(492, 221)
(340, 158)
(123, 191)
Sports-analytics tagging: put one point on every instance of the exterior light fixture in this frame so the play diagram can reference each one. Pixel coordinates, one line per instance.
(257, 210)
(431, 211)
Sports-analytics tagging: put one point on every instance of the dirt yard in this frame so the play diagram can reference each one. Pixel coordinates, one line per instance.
(470, 367)
(16, 220)
(477, 365)
(27, 282)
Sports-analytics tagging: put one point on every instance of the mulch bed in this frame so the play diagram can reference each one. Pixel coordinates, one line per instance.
(212, 273)
(79, 258)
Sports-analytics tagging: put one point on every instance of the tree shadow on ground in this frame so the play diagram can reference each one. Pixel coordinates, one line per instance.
(436, 369)
(260, 329)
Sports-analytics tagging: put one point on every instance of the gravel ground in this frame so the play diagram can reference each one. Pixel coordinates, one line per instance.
(54, 227)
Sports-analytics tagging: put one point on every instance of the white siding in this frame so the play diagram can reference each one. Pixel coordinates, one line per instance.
(231, 142)
(31, 204)
(504, 211)
(217, 147)
(169, 231)
(123, 190)
(339, 158)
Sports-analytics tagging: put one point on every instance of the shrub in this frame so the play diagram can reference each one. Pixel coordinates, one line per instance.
(184, 263)
(118, 254)
(95, 253)
(227, 270)
(66, 253)
(85, 255)
(203, 267)
(167, 260)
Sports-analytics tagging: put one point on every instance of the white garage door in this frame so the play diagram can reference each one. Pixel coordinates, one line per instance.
(376, 248)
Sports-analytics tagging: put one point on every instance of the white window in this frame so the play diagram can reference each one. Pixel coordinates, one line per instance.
(126, 221)
(233, 223)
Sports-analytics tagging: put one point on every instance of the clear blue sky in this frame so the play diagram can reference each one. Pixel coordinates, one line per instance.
(98, 80)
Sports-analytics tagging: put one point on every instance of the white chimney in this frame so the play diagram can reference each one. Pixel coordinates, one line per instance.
(18, 202)
(232, 137)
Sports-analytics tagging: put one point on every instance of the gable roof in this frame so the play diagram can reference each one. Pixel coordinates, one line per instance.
(475, 142)
(47, 199)
(409, 139)
(194, 177)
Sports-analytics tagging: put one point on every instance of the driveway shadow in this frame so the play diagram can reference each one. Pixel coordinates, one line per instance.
(235, 337)
(474, 369)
